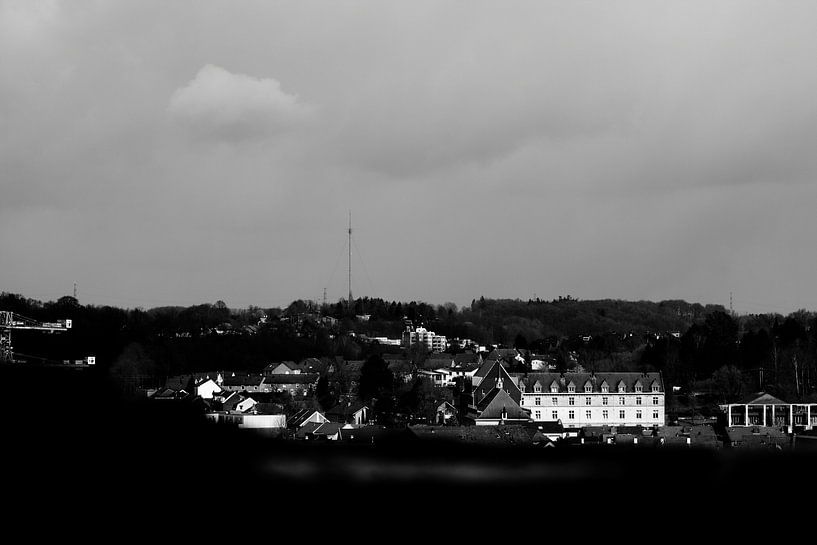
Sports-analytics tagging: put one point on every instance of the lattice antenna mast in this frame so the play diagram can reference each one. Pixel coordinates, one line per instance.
(350, 261)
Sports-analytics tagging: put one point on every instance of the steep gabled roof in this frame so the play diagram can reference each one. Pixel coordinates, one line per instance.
(491, 408)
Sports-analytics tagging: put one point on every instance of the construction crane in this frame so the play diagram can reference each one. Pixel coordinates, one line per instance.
(10, 321)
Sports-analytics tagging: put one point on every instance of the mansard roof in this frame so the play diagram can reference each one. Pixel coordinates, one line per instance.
(597, 380)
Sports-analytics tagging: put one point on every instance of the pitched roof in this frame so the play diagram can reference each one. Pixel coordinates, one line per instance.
(493, 405)
(762, 398)
(268, 408)
(300, 378)
(307, 429)
(243, 380)
(328, 428)
(596, 380)
(300, 416)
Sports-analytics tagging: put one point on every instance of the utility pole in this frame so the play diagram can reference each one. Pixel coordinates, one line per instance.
(75, 290)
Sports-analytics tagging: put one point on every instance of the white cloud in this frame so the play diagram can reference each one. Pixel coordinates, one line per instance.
(217, 103)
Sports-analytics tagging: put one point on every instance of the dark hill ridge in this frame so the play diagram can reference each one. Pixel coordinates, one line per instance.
(567, 317)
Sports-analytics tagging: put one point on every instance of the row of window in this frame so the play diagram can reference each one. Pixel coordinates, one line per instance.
(589, 389)
(589, 400)
(605, 415)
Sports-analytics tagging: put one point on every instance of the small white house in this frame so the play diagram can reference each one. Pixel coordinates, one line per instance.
(206, 388)
(246, 405)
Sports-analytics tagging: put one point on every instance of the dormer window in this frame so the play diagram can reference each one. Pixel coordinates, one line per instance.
(605, 388)
(638, 387)
(621, 387)
(522, 387)
(588, 387)
(654, 386)
(571, 387)
(554, 388)
(537, 388)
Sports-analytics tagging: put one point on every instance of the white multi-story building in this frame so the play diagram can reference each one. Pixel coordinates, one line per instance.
(420, 335)
(587, 399)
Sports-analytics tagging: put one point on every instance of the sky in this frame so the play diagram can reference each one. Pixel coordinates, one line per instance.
(175, 153)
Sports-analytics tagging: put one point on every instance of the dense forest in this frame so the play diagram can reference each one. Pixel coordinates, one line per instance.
(701, 347)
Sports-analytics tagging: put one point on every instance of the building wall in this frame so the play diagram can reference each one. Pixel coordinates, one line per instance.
(630, 406)
(207, 389)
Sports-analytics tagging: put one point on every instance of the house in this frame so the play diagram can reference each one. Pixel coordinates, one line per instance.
(446, 413)
(206, 387)
(348, 412)
(549, 431)
(593, 399)
(245, 383)
(245, 405)
(169, 393)
(320, 431)
(298, 384)
(283, 368)
(262, 422)
(499, 407)
(268, 408)
(304, 416)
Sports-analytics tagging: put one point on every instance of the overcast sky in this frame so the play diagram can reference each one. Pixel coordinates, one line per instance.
(162, 153)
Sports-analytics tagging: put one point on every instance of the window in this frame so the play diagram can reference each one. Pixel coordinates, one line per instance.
(638, 414)
(522, 401)
(588, 388)
(655, 415)
(621, 401)
(537, 401)
(638, 400)
(554, 400)
(655, 400)
(571, 415)
(555, 415)
(654, 386)
(538, 415)
(537, 388)
(604, 400)
(554, 388)
(571, 401)
(621, 387)
(638, 388)
(588, 415)
(621, 414)
(605, 414)
(588, 401)
(571, 387)
(605, 388)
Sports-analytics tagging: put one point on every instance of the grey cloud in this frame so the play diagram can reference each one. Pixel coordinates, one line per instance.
(219, 104)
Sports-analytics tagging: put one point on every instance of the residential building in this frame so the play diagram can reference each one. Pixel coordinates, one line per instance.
(420, 335)
(593, 399)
